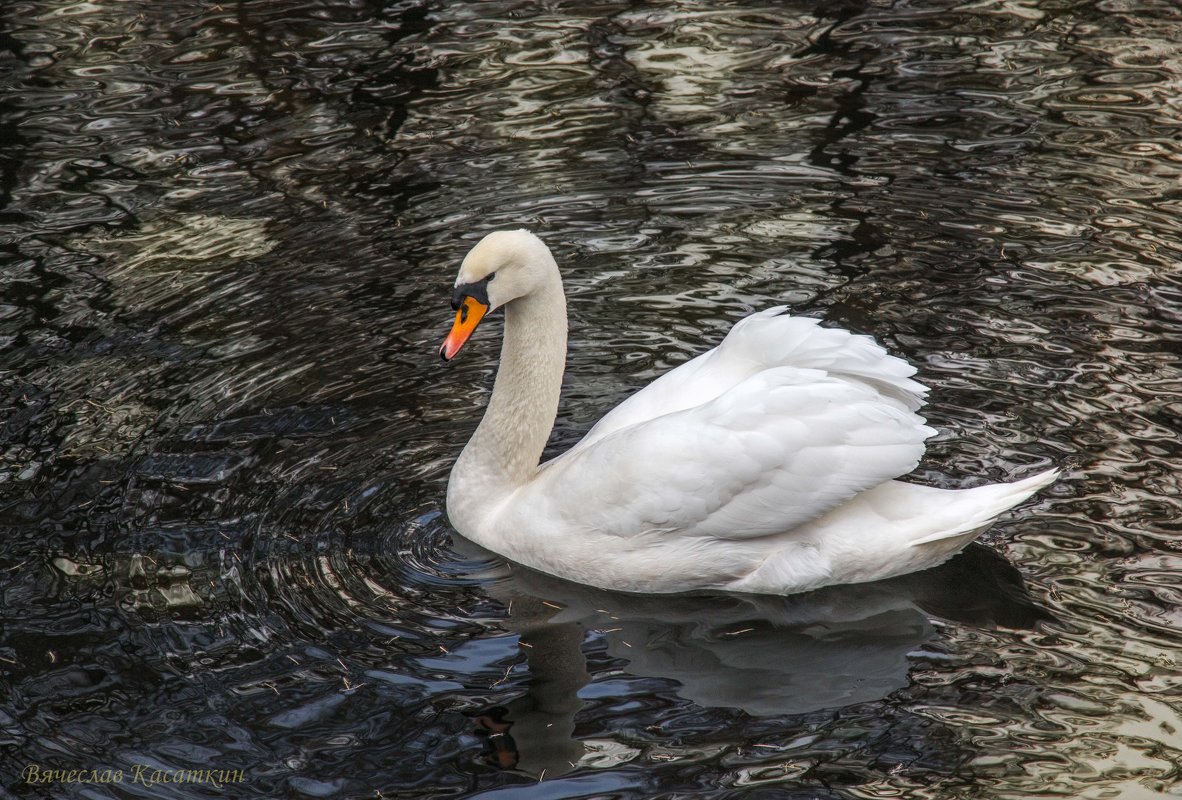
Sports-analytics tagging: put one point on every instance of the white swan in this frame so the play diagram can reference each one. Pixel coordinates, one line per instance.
(764, 465)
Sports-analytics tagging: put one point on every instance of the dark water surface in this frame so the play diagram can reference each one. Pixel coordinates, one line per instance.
(228, 233)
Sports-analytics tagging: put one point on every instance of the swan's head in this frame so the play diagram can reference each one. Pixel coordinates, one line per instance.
(502, 267)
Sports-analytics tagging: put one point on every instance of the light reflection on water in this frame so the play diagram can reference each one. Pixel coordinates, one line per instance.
(227, 232)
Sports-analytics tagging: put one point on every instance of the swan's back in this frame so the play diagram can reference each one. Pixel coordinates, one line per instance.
(763, 341)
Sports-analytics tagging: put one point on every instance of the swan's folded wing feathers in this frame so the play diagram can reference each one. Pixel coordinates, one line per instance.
(801, 342)
(762, 341)
(779, 449)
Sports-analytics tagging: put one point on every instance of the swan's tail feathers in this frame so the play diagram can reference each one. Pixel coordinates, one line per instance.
(985, 503)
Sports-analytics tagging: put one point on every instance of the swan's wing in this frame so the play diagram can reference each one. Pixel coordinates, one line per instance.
(756, 343)
(774, 451)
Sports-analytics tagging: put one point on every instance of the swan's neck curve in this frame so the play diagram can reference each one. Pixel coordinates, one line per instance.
(504, 452)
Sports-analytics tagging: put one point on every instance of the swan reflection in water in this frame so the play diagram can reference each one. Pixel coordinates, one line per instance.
(764, 655)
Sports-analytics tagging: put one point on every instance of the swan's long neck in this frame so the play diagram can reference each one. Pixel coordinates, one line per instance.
(504, 452)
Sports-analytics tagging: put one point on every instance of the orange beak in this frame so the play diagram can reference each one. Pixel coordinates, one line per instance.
(467, 318)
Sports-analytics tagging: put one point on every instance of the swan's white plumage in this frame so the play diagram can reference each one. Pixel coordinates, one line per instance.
(760, 342)
(763, 465)
(774, 450)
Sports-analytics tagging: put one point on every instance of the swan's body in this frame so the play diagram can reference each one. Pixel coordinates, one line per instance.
(764, 465)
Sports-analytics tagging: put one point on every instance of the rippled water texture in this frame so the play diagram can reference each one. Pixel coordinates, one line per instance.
(227, 235)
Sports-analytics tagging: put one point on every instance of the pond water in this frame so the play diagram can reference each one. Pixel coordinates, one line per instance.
(228, 236)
